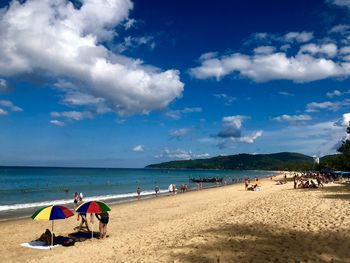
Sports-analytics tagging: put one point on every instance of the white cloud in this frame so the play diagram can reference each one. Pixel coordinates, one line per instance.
(179, 133)
(342, 29)
(318, 138)
(286, 93)
(327, 105)
(179, 154)
(267, 67)
(72, 115)
(292, 118)
(227, 99)
(3, 112)
(345, 3)
(130, 22)
(9, 105)
(346, 119)
(264, 50)
(55, 39)
(139, 148)
(135, 42)
(231, 133)
(335, 93)
(57, 123)
(3, 85)
(231, 126)
(329, 49)
(177, 114)
(298, 36)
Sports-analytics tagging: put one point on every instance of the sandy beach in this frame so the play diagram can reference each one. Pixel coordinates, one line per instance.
(225, 224)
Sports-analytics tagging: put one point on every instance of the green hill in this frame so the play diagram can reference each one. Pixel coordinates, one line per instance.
(275, 161)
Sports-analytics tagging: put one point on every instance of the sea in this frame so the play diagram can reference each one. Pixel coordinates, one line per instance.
(25, 189)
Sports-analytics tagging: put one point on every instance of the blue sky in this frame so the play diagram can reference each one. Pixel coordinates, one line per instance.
(128, 83)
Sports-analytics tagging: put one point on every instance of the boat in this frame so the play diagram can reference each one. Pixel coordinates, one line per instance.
(207, 180)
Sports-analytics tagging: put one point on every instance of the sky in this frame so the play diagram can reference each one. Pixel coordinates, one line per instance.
(123, 83)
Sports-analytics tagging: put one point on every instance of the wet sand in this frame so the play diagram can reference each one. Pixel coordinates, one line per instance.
(225, 224)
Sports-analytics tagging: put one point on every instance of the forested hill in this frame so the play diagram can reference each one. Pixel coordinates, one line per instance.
(275, 161)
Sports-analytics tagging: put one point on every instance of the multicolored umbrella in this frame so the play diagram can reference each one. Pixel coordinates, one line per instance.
(52, 212)
(93, 207)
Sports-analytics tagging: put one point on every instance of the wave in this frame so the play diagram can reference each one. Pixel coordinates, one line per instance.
(69, 201)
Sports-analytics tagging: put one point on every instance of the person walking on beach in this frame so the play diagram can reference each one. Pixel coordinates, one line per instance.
(104, 219)
(156, 189)
(138, 191)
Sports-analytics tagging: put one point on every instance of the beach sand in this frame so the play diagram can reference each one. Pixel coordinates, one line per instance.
(225, 224)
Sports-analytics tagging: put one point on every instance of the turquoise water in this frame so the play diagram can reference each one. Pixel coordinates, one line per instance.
(26, 187)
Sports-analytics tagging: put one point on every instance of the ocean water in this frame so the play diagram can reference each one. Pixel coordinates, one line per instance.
(29, 187)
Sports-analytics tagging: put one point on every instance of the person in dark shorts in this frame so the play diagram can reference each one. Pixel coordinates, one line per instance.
(156, 189)
(104, 219)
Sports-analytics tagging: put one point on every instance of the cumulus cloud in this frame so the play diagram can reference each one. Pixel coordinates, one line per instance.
(327, 105)
(179, 133)
(231, 126)
(3, 112)
(292, 118)
(72, 115)
(10, 106)
(177, 114)
(298, 36)
(329, 49)
(296, 60)
(344, 121)
(56, 39)
(179, 154)
(231, 132)
(139, 148)
(57, 123)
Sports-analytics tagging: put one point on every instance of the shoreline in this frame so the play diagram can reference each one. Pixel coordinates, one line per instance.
(27, 212)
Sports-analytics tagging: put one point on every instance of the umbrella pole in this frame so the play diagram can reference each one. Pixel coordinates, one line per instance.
(52, 235)
(92, 227)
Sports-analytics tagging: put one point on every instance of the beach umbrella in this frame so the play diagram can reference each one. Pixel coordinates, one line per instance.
(52, 212)
(93, 207)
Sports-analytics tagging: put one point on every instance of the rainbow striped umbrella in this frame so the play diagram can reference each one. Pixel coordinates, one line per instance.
(93, 207)
(52, 212)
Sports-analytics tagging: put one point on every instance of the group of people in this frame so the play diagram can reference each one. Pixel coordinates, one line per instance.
(102, 217)
(256, 186)
(310, 180)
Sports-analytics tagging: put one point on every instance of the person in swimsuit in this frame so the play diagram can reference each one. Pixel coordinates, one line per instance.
(156, 189)
(104, 219)
(138, 191)
(83, 221)
(75, 200)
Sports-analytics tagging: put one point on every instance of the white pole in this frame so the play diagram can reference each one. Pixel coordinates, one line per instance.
(92, 227)
(52, 236)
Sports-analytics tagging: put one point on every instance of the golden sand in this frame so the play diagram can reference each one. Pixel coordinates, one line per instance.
(225, 224)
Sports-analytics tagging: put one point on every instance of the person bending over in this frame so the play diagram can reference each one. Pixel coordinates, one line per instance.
(104, 219)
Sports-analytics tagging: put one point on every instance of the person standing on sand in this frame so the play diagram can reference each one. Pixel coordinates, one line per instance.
(246, 184)
(138, 191)
(104, 219)
(75, 200)
(156, 189)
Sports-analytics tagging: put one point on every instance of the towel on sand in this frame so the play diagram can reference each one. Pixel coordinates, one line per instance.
(37, 245)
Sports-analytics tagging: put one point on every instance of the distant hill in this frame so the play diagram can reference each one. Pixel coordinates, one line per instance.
(274, 161)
